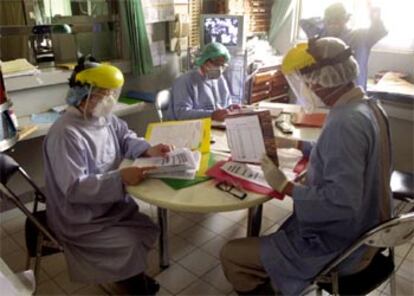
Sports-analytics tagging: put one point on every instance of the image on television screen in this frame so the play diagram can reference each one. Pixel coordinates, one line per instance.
(221, 29)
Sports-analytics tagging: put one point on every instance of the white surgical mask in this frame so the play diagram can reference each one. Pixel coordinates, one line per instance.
(214, 72)
(104, 107)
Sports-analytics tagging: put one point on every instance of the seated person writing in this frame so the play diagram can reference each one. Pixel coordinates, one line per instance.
(104, 235)
(203, 92)
(347, 190)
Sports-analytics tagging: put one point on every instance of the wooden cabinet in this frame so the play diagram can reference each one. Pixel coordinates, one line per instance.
(268, 83)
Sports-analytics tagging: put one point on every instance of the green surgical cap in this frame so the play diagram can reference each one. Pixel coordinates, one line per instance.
(211, 51)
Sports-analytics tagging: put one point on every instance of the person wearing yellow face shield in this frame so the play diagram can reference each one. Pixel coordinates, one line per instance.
(347, 190)
(203, 92)
(105, 237)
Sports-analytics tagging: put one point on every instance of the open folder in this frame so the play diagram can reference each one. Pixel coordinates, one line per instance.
(190, 134)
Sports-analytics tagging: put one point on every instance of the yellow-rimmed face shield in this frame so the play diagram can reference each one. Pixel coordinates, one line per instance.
(295, 60)
(104, 83)
(102, 76)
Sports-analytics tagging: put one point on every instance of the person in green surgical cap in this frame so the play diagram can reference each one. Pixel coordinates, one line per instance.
(203, 92)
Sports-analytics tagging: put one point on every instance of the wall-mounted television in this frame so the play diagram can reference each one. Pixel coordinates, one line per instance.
(229, 30)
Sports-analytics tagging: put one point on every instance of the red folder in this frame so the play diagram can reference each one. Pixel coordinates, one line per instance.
(220, 176)
(309, 119)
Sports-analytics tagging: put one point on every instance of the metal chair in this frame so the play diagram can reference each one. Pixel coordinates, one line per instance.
(162, 101)
(40, 241)
(387, 235)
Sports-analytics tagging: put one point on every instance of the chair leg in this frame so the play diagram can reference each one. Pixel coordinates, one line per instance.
(38, 256)
(335, 285)
(28, 261)
(393, 283)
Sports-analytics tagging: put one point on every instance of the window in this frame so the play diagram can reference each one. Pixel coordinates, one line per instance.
(397, 16)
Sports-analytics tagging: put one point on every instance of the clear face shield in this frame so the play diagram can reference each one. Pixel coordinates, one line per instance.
(100, 101)
(304, 95)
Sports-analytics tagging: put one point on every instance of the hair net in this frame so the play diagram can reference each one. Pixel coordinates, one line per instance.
(211, 51)
(336, 74)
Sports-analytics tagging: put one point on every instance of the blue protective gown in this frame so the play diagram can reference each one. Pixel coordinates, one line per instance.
(194, 96)
(105, 238)
(342, 199)
(360, 40)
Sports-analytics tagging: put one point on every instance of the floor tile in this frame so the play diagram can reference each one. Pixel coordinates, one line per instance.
(286, 203)
(200, 288)
(20, 239)
(236, 216)
(8, 245)
(49, 288)
(90, 290)
(163, 292)
(199, 262)
(195, 217)
(406, 269)
(197, 235)
(64, 282)
(153, 263)
(235, 231)
(14, 225)
(274, 213)
(179, 248)
(214, 246)
(54, 264)
(402, 250)
(272, 229)
(178, 224)
(16, 260)
(175, 279)
(10, 214)
(216, 278)
(217, 223)
(404, 287)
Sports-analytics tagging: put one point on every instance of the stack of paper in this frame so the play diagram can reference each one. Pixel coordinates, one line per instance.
(181, 163)
(19, 67)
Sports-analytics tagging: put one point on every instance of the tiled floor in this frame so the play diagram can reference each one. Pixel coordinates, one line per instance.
(194, 241)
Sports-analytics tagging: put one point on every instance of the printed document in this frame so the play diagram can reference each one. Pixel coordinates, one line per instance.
(178, 164)
(245, 138)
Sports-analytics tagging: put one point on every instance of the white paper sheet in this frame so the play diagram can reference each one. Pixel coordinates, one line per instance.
(179, 164)
(245, 138)
(186, 135)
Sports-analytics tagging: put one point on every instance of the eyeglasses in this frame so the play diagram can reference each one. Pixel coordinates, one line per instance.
(236, 192)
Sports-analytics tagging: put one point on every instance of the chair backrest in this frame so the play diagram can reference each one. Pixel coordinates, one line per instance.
(162, 101)
(9, 168)
(389, 234)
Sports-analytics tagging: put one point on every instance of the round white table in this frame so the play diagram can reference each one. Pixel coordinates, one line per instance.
(201, 198)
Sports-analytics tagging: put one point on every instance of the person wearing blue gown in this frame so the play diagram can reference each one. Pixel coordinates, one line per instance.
(203, 92)
(347, 189)
(361, 41)
(105, 237)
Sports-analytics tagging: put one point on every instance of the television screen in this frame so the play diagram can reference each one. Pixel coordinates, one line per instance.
(224, 30)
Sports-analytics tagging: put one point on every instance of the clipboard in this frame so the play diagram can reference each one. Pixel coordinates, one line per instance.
(251, 135)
